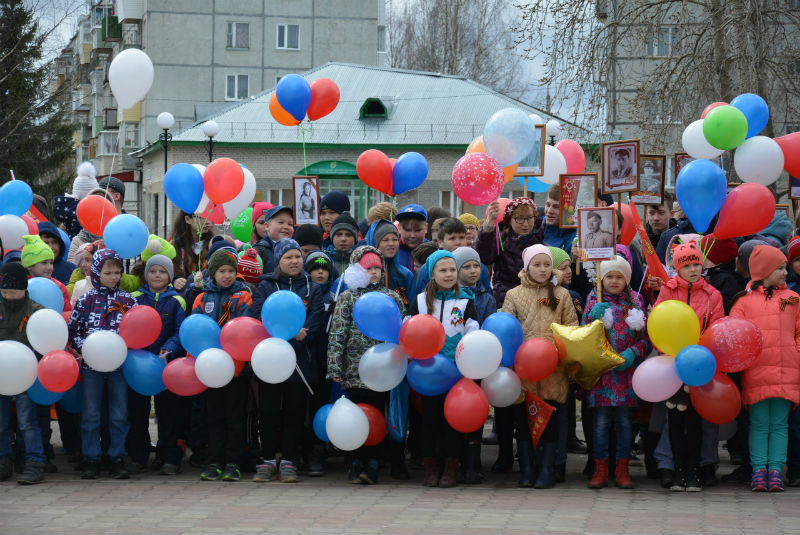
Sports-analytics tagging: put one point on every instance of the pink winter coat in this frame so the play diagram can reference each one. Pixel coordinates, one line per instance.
(776, 373)
(705, 300)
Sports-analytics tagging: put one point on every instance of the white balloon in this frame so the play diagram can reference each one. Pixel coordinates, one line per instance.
(382, 367)
(554, 165)
(203, 204)
(274, 360)
(12, 229)
(47, 331)
(502, 388)
(104, 351)
(240, 202)
(18, 368)
(695, 143)
(537, 119)
(478, 354)
(759, 159)
(347, 425)
(130, 76)
(214, 368)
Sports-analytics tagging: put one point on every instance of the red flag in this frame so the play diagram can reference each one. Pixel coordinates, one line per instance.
(654, 265)
(36, 215)
(539, 414)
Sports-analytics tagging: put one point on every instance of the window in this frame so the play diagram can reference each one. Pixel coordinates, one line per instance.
(238, 35)
(279, 197)
(130, 136)
(288, 36)
(99, 13)
(448, 201)
(373, 108)
(664, 43)
(382, 38)
(107, 144)
(237, 86)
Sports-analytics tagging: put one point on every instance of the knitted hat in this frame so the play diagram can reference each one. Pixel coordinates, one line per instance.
(345, 222)
(85, 182)
(533, 250)
(13, 256)
(316, 260)
(516, 203)
(470, 219)
(221, 257)
(249, 266)
(259, 209)
(617, 264)
(283, 246)
(745, 250)
(112, 183)
(793, 249)
(160, 260)
(13, 276)
(464, 255)
(719, 251)
(158, 245)
(369, 260)
(35, 250)
(764, 260)
(780, 228)
(685, 254)
(430, 263)
(217, 243)
(336, 201)
(559, 256)
(383, 228)
(309, 235)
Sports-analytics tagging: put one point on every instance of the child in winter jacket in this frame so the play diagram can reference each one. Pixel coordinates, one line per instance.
(283, 405)
(159, 294)
(62, 268)
(622, 312)
(344, 238)
(102, 309)
(223, 299)
(469, 268)
(385, 237)
(279, 224)
(444, 299)
(537, 302)
(37, 258)
(771, 386)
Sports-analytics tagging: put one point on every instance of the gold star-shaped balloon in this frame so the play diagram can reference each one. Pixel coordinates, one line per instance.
(585, 352)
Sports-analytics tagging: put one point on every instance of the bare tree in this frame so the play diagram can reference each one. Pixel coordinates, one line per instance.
(470, 38)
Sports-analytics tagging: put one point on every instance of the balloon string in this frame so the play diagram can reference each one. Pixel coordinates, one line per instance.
(708, 248)
(305, 161)
(12, 175)
(111, 171)
(199, 240)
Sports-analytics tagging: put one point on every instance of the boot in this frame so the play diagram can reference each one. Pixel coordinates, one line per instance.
(431, 477)
(622, 476)
(316, 461)
(32, 474)
(547, 470)
(6, 468)
(600, 477)
(450, 474)
(561, 473)
(526, 477)
(472, 464)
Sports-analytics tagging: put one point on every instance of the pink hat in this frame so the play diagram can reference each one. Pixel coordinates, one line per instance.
(533, 250)
(259, 209)
(370, 260)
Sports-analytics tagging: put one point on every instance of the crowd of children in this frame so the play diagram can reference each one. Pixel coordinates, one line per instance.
(459, 270)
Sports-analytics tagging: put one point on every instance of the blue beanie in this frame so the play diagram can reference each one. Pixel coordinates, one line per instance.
(217, 243)
(430, 263)
(283, 246)
(336, 201)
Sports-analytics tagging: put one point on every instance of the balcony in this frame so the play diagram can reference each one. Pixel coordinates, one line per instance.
(131, 36)
(111, 29)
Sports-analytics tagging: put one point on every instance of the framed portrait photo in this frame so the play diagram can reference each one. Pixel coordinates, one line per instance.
(575, 192)
(651, 179)
(533, 163)
(306, 200)
(794, 187)
(597, 231)
(681, 159)
(619, 161)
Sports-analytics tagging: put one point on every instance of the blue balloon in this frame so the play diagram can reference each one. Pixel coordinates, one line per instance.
(42, 396)
(294, 95)
(320, 419)
(378, 316)
(695, 365)
(756, 111)
(72, 401)
(127, 235)
(46, 293)
(199, 332)
(66, 239)
(283, 314)
(534, 184)
(433, 376)
(143, 371)
(508, 330)
(16, 198)
(509, 135)
(701, 189)
(184, 186)
(410, 171)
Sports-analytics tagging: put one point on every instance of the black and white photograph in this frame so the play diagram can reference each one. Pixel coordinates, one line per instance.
(533, 163)
(651, 179)
(620, 163)
(306, 200)
(597, 230)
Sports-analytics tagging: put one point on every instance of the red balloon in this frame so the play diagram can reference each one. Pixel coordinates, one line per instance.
(58, 371)
(628, 226)
(33, 227)
(466, 406)
(94, 212)
(717, 401)
(573, 154)
(214, 213)
(375, 171)
(503, 203)
(377, 424)
(140, 327)
(478, 178)
(748, 209)
(179, 377)
(279, 114)
(324, 98)
(223, 180)
(711, 107)
(241, 335)
(536, 359)
(422, 336)
(790, 145)
(735, 342)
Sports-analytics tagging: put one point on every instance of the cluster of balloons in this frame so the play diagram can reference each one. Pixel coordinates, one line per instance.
(16, 198)
(295, 99)
(348, 425)
(392, 176)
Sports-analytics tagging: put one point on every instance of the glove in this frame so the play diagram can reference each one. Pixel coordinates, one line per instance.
(680, 400)
(629, 357)
(598, 311)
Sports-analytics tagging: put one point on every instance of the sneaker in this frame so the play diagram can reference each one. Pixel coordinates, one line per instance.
(231, 473)
(679, 481)
(212, 472)
(369, 475)
(34, 473)
(118, 469)
(693, 483)
(169, 469)
(775, 481)
(6, 468)
(265, 472)
(288, 472)
(90, 469)
(758, 481)
(576, 445)
(354, 473)
(667, 477)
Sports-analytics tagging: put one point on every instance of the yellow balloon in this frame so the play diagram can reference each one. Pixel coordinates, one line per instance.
(585, 351)
(673, 325)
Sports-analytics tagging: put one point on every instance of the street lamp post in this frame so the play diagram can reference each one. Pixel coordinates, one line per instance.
(553, 129)
(210, 130)
(165, 121)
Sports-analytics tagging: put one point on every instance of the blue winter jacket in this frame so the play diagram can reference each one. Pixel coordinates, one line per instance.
(559, 237)
(485, 305)
(223, 304)
(398, 278)
(172, 309)
(62, 269)
(265, 247)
